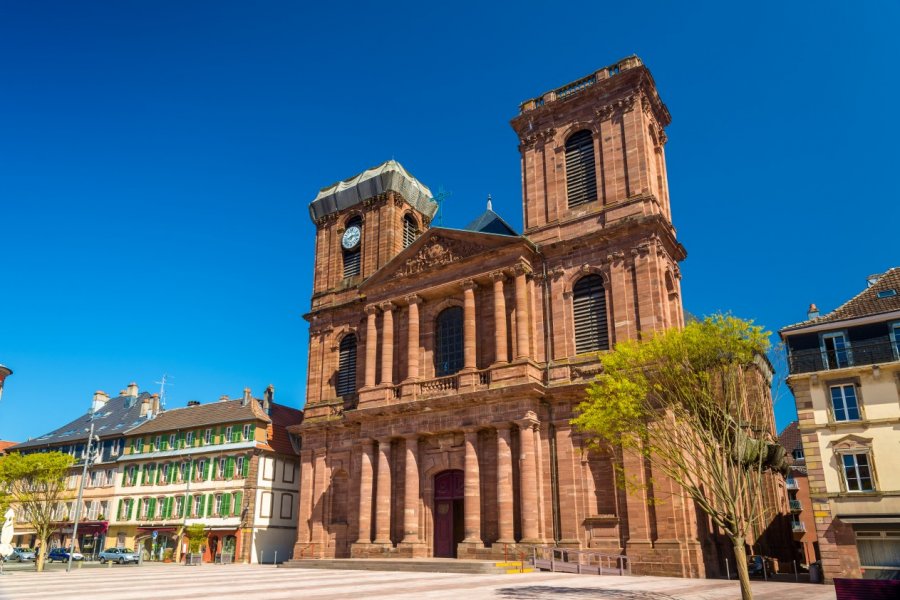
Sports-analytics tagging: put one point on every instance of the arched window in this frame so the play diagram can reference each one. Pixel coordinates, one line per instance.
(346, 379)
(410, 231)
(589, 304)
(581, 179)
(448, 341)
(351, 244)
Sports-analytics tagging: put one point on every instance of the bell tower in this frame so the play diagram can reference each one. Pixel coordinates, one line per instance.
(592, 153)
(363, 222)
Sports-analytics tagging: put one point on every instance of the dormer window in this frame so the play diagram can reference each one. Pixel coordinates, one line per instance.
(798, 454)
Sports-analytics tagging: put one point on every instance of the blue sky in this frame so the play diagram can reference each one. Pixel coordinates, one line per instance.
(157, 159)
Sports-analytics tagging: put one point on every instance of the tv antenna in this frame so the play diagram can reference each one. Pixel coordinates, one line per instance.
(162, 389)
(439, 198)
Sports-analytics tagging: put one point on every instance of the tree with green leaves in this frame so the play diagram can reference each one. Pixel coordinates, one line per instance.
(35, 485)
(696, 404)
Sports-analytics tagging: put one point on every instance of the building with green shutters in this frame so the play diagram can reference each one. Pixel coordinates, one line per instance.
(230, 465)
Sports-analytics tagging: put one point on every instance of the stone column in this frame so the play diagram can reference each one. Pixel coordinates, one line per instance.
(371, 345)
(504, 486)
(469, 347)
(522, 349)
(412, 354)
(387, 343)
(365, 492)
(411, 491)
(528, 492)
(383, 493)
(500, 355)
(472, 491)
(304, 515)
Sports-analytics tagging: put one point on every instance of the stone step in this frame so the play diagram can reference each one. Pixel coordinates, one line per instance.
(517, 571)
(417, 565)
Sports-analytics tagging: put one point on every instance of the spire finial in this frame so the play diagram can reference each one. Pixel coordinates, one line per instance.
(489, 203)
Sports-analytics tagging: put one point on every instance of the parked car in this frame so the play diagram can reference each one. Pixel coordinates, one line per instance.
(119, 555)
(20, 554)
(62, 555)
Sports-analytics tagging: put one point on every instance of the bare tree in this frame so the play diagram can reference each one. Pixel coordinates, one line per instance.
(696, 404)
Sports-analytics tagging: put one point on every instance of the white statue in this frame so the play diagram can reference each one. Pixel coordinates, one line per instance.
(6, 534)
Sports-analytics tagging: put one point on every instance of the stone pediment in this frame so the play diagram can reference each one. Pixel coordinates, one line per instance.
(851, 442)
(437, 248)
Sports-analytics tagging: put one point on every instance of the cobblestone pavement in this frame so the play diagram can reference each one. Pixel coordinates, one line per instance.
(244, 581)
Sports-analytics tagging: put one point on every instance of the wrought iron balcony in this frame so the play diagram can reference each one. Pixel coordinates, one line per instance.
(858, 353)
(791, 483)
(795, 505)
(798, 527)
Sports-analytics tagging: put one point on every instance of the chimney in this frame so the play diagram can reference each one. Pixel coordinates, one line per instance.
(132, 390)
(223, 398)
(268, 399)
(813, 312)
(245, 401)
(100, 399)
(145, 405)
(155, 405)
(193, 403)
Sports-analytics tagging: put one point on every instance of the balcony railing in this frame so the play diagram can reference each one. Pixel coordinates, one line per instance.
(798, 527)
(439, 385)
(858, 353)
(795, 505)
(791, 483)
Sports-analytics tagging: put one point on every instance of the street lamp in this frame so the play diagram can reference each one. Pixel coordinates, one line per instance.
(88, 459)
(4, 373)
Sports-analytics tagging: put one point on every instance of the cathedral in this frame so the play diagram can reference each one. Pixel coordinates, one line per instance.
(446, 364)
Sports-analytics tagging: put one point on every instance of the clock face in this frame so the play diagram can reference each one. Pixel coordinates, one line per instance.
(351, 238)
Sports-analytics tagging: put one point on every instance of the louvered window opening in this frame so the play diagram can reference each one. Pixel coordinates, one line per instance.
(581, 178)
(346, 379)
(591, 327)
(448, 342)
(352, 262)
(410, 231)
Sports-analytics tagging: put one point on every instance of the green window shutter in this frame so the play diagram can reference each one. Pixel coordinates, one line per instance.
(180, 440)
(238, 496)
(130, 512)
(229, 467)
(173, 468)
(151, 512)
(252, 432)
(124, 476)
(119, 512)
(246, 468)
(170, 502)
(190, 470)
(226, 504)
(209, 504)
(209, 469)
(236, 433)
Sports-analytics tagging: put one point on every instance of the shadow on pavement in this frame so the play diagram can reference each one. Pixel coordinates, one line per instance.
(535, 592)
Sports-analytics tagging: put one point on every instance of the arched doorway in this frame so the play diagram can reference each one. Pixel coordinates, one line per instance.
(448, 512)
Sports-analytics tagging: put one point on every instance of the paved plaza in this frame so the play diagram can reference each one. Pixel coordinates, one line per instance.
(243, 581)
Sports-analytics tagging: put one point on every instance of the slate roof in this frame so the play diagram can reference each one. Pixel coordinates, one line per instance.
(191, 417)
(117, 416)
(491, 222)
(864, 304)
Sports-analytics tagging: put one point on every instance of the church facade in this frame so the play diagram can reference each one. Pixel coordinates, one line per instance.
(445, 364)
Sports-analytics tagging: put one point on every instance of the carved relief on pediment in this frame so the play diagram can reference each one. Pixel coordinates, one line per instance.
(437, 252)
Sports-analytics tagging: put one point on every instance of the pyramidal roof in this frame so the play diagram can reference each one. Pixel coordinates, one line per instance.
(491, 222)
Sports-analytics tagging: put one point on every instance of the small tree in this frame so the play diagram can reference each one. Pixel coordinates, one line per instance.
(36, 484)
(695, 404)
(196, 534)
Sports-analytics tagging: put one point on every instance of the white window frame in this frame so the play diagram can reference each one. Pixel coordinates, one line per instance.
(895, 338)
(855, 466)
(207, 437)
(157, 443)
(228, 432)
(173, 440)
(834, 414)
(197, 505)
(239, 467)
(179, 505)
(217, 505)
(200, 471)
(189, 438)
(266, 502)
(114, 447)
(847, 350)
(220, 467)
(245, 432)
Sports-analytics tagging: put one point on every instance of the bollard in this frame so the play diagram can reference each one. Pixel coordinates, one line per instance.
(275, 561)
(796, 573)
(727, 570)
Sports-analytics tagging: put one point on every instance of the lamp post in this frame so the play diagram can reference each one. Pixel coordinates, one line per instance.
(88, 459)
(4, 373)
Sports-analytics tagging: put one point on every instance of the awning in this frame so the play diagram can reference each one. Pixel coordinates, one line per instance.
(869, 519)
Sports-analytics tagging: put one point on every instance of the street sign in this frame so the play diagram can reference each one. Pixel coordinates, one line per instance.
(155, 534)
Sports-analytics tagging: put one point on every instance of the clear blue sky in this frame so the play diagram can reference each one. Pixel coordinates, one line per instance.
(157, 159)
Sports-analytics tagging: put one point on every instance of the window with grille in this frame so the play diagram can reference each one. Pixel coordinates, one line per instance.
(346, 378)
(410, 231)
(353, 258)
(448, 341)
(581, 179)
(589, 303)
